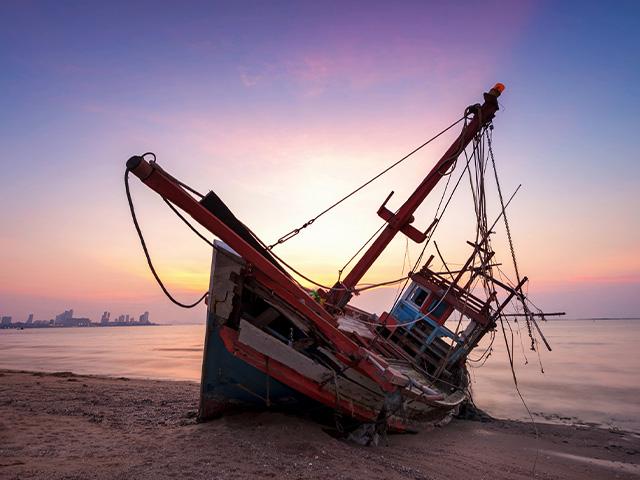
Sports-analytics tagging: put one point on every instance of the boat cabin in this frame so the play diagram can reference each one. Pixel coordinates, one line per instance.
(420, 302)
(422, 322)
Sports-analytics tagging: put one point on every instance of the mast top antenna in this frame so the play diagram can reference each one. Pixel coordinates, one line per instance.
(497, 89)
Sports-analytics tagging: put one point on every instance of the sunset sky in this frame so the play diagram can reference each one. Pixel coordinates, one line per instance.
(281, 108)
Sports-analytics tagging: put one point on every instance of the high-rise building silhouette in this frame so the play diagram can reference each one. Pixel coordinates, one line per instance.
(64, 318)
(144, 318)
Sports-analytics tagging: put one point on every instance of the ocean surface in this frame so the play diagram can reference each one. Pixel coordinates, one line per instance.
(592, 376)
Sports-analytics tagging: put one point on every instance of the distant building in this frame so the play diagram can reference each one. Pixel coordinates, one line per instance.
(144, 318)
(6, 321)
(30, 319)
(64, 318)
(77, 322)
(126, 318)
(81, 322)
(121, 318)
(105, 318)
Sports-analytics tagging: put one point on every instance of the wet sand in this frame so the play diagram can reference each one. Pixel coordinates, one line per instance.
(62, 425)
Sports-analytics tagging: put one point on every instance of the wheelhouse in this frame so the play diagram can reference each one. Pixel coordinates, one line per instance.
(422, 322)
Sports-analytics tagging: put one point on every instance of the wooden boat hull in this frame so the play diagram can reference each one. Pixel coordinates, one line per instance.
(248, 364)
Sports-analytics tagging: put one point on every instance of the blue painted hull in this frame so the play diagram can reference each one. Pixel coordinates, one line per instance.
(228, 383)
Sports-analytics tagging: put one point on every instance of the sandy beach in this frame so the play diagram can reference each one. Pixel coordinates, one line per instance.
(61, 425)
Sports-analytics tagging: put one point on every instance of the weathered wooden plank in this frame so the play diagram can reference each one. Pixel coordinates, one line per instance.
(353, 325)
(224, 264)
(281, 352)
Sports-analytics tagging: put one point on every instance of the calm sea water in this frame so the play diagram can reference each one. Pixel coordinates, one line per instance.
(591, 376)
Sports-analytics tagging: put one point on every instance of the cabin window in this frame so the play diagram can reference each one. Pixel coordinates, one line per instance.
(419, 296)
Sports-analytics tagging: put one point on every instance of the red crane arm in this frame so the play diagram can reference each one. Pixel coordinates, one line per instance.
(169, 188)
(341, 293)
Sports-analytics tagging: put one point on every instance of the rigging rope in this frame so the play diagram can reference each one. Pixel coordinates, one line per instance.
(438, 218)
(511, 247)
(358, 288)
(479, 203)
(502, 317)
(181, 217)
(309, 222)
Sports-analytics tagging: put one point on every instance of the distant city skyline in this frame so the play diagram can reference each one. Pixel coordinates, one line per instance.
(67, 319)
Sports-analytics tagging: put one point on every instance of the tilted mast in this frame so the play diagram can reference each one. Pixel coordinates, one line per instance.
(401, 221)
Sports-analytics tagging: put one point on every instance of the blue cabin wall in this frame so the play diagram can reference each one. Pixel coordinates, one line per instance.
(409, 315)
(405, 312)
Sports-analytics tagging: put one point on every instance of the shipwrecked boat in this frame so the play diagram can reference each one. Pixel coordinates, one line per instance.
(272, 342)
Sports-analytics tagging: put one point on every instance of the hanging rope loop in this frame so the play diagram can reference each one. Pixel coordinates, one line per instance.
(146, 250)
